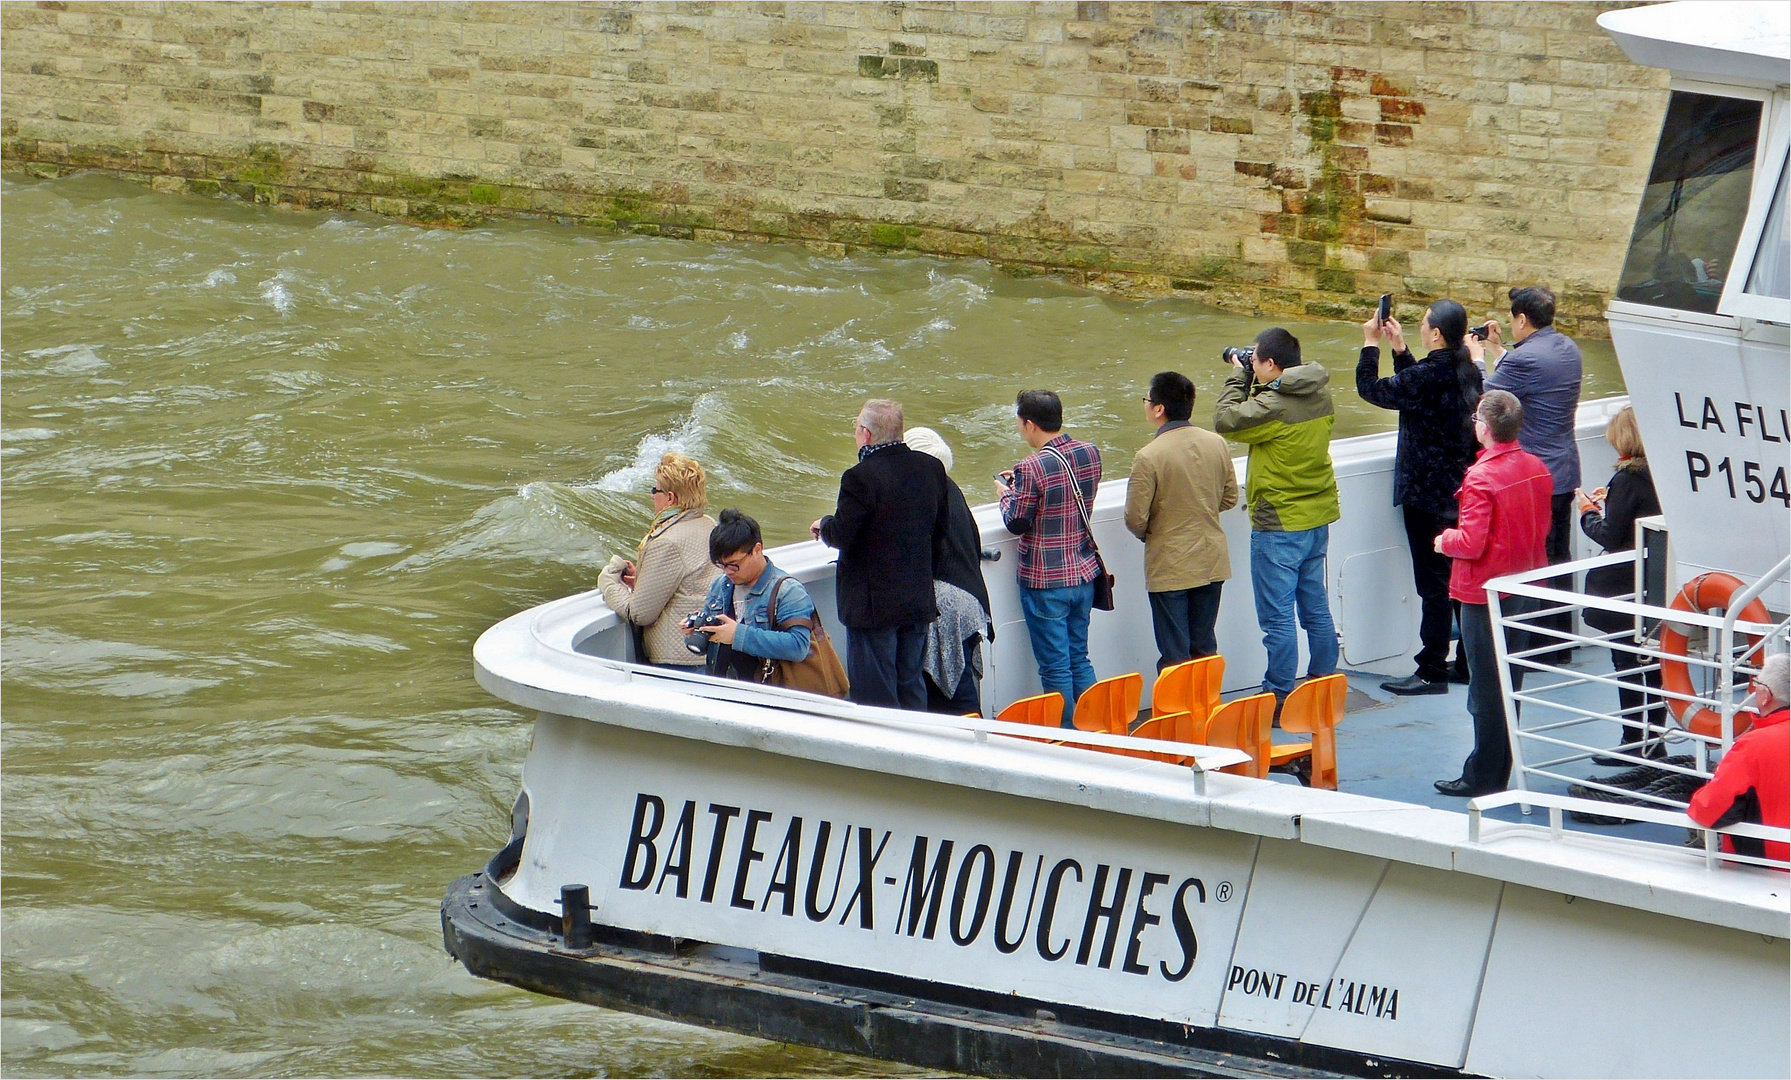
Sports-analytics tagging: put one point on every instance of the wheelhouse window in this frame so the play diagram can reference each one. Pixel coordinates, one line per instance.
(1695, 204)
(1771, 275)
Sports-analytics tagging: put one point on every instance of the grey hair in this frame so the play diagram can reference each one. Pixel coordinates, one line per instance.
(1775, 675)
(883, 419)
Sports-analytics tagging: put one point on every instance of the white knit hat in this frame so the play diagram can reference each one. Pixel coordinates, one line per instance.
(928, 441)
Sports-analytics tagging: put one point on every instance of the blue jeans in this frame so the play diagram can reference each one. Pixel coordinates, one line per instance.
(1287, 570)
(1057, 620)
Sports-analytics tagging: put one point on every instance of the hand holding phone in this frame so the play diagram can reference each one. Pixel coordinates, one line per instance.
(1385, 310)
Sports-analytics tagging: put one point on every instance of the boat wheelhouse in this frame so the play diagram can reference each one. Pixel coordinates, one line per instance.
(978, 895)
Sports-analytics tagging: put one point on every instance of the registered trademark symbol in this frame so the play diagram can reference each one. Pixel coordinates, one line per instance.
(1223, 892)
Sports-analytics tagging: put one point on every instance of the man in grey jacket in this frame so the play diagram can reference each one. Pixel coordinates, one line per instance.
(1542, 370)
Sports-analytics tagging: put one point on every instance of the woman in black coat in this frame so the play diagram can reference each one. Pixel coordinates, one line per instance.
(1435, 397)
(1608, 517)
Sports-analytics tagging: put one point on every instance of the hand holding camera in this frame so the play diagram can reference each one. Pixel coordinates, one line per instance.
(1238, 356)
(699, 625)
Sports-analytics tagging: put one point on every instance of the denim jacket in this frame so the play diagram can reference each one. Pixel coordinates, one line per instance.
(755, 636)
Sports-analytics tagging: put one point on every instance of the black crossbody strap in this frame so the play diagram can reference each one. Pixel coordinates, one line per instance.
(1076, 490)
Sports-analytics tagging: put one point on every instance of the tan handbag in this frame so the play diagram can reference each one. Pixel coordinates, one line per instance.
(821, 672)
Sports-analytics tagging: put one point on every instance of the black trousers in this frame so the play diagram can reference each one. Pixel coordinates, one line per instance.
(1560, 549)
(1488, 767)
(1430, 575)
(884, 666)
(1184, 620)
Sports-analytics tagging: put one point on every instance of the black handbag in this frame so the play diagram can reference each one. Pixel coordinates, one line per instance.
(1103, 582)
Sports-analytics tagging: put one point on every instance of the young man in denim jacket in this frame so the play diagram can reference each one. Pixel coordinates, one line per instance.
(739, 603)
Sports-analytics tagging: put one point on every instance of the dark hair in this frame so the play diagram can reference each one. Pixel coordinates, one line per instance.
(736, 533)
(1451, 320)
(1042, 407)
(1175, 392)
(1536, 303)
(1503, 413)
(1279, 347)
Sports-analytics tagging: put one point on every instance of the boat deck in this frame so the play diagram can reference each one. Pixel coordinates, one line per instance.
(1393, 747)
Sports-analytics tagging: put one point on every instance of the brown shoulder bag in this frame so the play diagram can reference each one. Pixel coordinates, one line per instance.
(821, 672)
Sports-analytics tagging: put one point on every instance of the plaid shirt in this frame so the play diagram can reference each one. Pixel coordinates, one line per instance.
(1056, 550)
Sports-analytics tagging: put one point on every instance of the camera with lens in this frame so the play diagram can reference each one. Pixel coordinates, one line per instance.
(1238, 354)
(695, 641)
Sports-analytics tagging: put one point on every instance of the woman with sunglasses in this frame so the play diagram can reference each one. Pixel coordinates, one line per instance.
(670, 573)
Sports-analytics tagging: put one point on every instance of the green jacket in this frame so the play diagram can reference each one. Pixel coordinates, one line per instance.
(1287, 425)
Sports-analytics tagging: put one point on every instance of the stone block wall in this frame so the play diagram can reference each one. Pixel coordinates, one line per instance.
(1293, 158)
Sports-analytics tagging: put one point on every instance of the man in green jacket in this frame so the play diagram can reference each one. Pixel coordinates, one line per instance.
(1280, 408)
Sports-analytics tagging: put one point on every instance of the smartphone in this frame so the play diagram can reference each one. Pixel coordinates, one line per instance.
(1386, 309)
(1005, 478)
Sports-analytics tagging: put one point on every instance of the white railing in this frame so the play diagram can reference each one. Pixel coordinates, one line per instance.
(1561, 727)
(1556, 804)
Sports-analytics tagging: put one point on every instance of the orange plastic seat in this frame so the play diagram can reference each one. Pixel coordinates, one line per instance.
(1110, 705)
(1315, 707)
(1244, 725)
(1045, 710)
(1174, 726)
(1190, 687)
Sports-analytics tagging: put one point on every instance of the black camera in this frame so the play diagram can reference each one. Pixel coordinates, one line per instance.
(1239, 354)
(698, 643)
(1481, 331)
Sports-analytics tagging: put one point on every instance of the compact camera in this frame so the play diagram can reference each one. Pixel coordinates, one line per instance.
(1239, 354)
(1481, 331)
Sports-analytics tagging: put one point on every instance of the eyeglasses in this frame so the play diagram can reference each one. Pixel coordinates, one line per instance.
(1146, 399)
(660, 491)
(731, 566)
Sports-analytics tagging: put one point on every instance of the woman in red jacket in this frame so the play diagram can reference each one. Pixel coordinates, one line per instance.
(1503, 522)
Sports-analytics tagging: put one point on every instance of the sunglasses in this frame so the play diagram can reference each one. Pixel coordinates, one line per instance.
(660, 491)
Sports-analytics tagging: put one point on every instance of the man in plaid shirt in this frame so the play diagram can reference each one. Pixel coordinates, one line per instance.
(1057, 555)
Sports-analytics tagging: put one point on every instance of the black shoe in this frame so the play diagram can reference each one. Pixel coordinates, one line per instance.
(1416, 684)
(1462, 789)
(1458, 675)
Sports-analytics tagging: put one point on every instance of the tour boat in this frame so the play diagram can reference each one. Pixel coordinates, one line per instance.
(991, 897)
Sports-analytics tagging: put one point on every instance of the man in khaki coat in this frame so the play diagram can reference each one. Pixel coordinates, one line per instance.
(1181, 481)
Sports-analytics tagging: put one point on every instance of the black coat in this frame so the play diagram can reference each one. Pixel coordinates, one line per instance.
(1628, 496)
(1435, 397)
(958, 556)
(893, 512)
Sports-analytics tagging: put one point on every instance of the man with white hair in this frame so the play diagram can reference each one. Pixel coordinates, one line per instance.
(1753, 782)
(892, 514)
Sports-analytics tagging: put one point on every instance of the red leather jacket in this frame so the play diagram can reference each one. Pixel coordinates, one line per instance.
(1504, 520)
(1752, 783)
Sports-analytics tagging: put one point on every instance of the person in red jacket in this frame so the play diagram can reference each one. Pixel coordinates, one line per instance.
(1502, 528)
(1753, 781)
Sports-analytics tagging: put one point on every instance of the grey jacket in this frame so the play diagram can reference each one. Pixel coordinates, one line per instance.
(1543, 372)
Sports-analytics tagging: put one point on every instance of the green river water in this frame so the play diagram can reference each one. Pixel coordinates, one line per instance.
(267, 475)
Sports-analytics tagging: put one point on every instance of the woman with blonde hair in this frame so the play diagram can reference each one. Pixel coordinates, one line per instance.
(1608, 517)
(670, 573)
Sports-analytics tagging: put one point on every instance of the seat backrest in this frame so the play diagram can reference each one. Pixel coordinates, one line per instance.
(1244, 725)
(1110, 705)
(1045, 710)
(1161, 727)
(1191, 687)
(1316, 706)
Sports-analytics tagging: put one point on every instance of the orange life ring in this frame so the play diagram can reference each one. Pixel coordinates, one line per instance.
(1709, 594)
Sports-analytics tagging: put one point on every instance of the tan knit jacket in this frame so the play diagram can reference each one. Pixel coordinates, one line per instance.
(672, 577)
